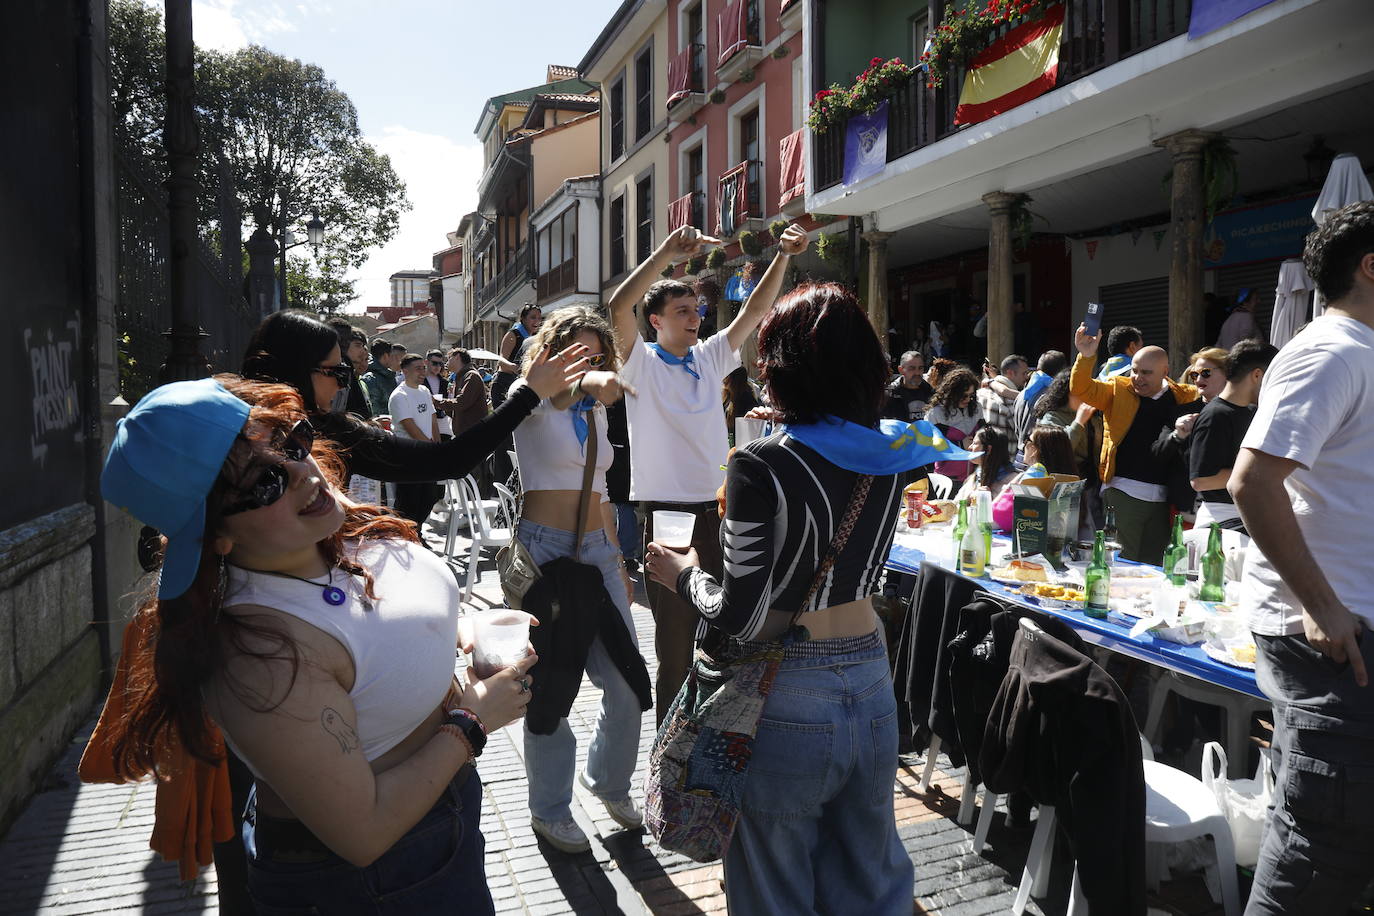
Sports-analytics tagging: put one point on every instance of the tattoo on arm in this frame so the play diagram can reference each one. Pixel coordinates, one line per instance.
(335, 724)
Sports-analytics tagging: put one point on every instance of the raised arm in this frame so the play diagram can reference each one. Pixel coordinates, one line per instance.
(1081, 381)
(765, 293)
(684, 242)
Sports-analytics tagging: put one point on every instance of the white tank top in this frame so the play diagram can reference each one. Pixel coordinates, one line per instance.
(550, 456)
(403, 649)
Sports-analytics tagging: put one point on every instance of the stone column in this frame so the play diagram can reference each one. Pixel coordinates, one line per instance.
(877, 282)
(999, 339)
(1186, 221)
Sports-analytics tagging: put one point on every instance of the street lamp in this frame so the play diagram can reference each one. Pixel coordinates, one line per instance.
(314, 235)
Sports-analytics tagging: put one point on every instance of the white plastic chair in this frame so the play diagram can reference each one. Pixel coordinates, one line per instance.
(456, 506)
(483, 534)
(1238, 707)
(941, 487)
(508, 512)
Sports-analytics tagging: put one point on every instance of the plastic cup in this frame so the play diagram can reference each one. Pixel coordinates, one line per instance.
(747, 429)
(500, 639)
(674, 529)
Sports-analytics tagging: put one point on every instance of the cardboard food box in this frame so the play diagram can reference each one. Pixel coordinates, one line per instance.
(1045, 514)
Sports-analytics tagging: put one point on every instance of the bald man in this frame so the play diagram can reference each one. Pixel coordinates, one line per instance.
(1136, 408)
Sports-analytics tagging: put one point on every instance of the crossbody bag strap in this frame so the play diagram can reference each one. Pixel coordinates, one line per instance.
(585, 498)
(851, 515)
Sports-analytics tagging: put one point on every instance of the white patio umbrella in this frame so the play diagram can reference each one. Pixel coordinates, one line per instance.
(1345, 184)
(479, 353)
(1292, 302)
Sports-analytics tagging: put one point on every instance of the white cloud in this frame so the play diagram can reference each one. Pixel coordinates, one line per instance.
(227, 25)
(441, 182)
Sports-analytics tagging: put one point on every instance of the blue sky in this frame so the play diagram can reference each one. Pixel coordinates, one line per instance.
(418, 72)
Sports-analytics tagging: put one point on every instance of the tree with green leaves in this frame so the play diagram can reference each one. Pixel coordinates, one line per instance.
(283, 133)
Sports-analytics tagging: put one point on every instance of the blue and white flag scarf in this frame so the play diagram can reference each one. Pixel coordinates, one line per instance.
(893, 447)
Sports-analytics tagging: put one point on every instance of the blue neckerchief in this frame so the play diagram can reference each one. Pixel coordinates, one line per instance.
(686, 362)
(890, 449)
(1038, 383)
(579, 409)
(519, 328)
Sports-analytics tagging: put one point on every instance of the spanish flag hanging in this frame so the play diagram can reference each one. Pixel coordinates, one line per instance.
(1017, 67)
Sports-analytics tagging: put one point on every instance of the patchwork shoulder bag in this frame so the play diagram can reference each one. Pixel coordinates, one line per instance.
(514, 565)
(700, 758)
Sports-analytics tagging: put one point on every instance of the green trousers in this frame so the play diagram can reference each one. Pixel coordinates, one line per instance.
(1143, 527)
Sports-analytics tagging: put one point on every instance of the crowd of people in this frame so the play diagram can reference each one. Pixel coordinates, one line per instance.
(316, 633)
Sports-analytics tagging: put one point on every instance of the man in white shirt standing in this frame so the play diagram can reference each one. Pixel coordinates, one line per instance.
(1302, 482)
(678, 439)
(412, 417)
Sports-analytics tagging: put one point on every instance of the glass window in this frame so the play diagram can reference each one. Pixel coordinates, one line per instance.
(644, 214)
(644, 92)
(618, 236)
(618, 119)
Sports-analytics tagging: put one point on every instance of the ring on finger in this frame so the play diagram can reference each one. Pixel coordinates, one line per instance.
(524, 685)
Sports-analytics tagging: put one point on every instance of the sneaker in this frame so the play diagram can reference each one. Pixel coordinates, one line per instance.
(563, 835)
(623, 811)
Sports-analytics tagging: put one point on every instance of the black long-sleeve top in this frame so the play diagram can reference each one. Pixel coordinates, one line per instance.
(383, 456)
(783, 502)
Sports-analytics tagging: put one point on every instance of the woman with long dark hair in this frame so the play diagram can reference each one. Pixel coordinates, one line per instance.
(993, 468)
(816, 831)
(319, 637)
(295, 348)
(954, 409)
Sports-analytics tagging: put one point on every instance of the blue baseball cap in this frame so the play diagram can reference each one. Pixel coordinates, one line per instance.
(166, 455)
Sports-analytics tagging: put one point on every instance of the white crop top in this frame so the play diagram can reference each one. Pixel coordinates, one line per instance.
(403, 649)
(550, 456)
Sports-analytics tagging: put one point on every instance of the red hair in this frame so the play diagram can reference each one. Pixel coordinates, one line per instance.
(188, 639)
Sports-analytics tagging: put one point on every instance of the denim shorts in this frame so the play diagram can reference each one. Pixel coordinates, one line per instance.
(436, 866)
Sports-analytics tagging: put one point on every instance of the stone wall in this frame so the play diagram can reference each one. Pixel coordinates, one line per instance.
(50, 664)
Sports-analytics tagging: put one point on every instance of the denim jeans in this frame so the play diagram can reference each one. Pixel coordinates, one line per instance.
(817, 833)
(1318, 850)
(436, 866)
(551, 759)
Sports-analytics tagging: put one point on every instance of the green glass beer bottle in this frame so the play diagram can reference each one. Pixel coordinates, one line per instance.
(1176, 557)
(1098, 580)
(960, 526)
(1213, 568)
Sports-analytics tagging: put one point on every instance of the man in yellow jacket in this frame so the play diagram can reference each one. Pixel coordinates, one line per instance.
(1136, 408)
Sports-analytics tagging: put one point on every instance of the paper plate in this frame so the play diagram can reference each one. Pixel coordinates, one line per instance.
(1223, 655)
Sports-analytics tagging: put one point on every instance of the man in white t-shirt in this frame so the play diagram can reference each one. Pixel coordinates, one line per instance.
(1303, 482)
(678, 441)
(413, 417)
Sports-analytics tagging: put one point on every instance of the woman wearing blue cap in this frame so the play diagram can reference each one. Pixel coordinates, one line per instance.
(319, 636)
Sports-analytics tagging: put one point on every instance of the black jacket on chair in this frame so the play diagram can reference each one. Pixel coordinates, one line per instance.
(570, 601)
(922, 661)
(978, 659)
(1062, 730)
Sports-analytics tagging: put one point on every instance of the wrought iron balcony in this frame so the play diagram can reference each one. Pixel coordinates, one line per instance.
(517, 272)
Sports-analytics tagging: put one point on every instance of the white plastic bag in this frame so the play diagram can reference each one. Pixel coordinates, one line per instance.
(1244, 802)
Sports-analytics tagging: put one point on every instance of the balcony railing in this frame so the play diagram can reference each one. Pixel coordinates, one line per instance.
(737, 28)
(558, 280)
(517, 271)
(687, 210)
(1096, 34)
(685, 74)
(738, 199)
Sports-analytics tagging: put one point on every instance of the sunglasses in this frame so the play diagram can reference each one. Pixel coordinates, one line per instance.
(1200, 373)
(274, 480)
(596, 359)
(342, 373)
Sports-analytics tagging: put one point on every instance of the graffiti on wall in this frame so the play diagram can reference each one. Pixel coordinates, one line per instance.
(56, 400)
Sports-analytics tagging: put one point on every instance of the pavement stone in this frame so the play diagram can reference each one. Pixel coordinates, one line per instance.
(83, 849)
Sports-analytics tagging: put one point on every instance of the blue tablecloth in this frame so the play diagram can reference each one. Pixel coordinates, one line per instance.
(1111, 634)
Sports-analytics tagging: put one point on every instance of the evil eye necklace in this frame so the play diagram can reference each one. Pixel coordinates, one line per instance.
(330, 593)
